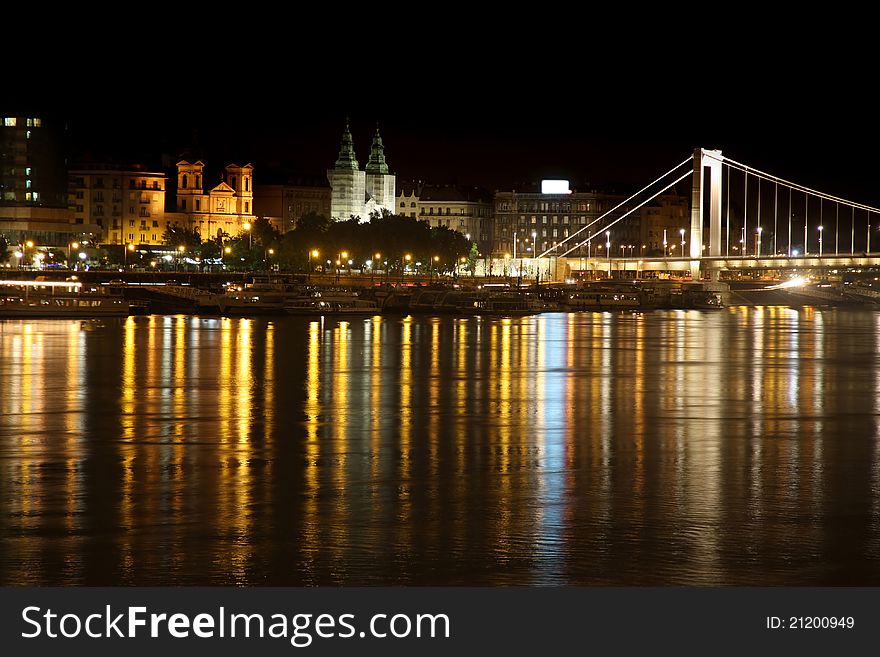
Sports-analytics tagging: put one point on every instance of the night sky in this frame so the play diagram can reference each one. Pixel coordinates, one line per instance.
(484, 119)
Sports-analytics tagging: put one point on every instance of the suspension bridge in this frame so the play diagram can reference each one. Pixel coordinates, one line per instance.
(741, 218)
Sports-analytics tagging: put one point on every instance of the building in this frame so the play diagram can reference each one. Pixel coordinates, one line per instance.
(224, 209)
(119, 205)
(290, 197)
(356, 193)
(33, 182)
(551, 218)
(662, 222)
(463, 208)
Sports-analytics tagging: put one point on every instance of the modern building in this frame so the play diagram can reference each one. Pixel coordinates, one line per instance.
(33, 182)
(356, 193)
(119, 205)
(466, 209)
(289, 197)
(224, 209)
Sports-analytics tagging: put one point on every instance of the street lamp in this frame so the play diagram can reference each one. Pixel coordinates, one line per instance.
(247, 227)
(407, 257)
(313, 253)
(128, 247)
(74, 246)
(758, 248)
(681, 232)
(435, 259)
(820, 240)
(608, 248)
(180, 250)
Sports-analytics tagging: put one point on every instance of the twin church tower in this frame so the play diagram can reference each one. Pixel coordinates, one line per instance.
(355, 192)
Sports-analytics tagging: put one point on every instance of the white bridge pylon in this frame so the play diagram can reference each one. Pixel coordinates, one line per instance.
(711, 160)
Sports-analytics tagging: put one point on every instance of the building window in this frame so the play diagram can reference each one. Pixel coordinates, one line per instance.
(155, 225)
(79, 194)
(413, 204)
(402, 204)
(247, 184)
(247, 207)
(9, 121)
(154, 237)
(232, 182)
(183, 182)
(198, 182)
(131, 210)
(143, 238)
(27, 171)
(79, 208)
(131, 237)
(27, 183)
(198, 204)
(131, 223)
(155, 184)
(183, 204)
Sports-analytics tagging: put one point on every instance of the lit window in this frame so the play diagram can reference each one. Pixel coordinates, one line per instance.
(27, 183)
(28, 196)
(30, 122)
(9, 121)
(27, 171)
(38, 123)
(28, 135)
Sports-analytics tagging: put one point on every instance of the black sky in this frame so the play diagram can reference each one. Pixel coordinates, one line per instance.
(495, 117)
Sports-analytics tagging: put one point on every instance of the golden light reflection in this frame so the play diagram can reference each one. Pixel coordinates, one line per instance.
(310, 529)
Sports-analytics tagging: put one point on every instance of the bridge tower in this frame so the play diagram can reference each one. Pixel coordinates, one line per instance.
(711, 160)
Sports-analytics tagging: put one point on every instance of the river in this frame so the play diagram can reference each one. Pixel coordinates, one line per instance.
(695, 448)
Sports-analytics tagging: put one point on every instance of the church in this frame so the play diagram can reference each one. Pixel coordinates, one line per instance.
(355, 192)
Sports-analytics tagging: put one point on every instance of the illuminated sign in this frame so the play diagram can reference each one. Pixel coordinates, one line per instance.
(555, 187)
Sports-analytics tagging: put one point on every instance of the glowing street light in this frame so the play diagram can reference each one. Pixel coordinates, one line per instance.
(246, 226)
(128, 247)
(71, 246)
(681, 231)
(820, 241)
(608, 249)
(313, 253)
(758, 248)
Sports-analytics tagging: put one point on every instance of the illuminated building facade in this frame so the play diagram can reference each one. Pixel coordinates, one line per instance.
(221, 211)
(119, 205)
(467, 210)
(33, 182)
(356, 193)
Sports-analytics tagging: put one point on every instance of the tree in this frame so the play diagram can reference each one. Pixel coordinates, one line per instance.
(176, 235)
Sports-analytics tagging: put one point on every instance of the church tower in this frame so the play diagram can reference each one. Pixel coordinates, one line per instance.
(241, 181)
(189, 184)
(347, 183)
(379, 183)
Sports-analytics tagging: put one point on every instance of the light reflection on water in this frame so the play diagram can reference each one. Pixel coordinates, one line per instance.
(685, 448)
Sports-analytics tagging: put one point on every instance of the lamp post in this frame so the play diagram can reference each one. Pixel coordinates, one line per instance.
(820, 240)
(665, 244)
(681, 232)
(128, 247)
(758, 246)
(180, 250)
(742, 242)
(406, 258)
(71, 246)
(434, 260)
(608, 248)
(313, 253)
